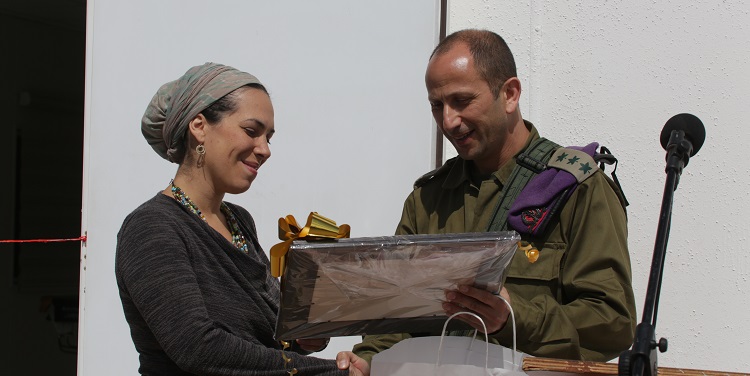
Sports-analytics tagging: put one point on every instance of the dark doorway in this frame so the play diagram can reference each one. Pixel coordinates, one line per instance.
(43, 46)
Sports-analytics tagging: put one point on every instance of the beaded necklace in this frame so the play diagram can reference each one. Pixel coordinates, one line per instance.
(238, 240)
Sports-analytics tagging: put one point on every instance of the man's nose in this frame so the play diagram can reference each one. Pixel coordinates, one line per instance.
(451, 118)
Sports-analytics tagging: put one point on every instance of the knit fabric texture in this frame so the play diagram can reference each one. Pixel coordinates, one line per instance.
(195, 303)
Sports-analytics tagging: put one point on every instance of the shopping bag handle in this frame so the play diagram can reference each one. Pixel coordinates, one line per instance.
(486, 337)
(513, 321)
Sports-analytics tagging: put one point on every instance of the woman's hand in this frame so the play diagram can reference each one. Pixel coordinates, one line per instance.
(356, 365)
(313, 344)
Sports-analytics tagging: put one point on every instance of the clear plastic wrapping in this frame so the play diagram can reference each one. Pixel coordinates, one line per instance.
(379, 285)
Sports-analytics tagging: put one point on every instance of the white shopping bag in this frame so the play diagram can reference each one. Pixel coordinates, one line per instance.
(447, 356)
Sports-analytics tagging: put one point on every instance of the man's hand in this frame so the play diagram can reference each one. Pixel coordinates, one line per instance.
(313, 344)
(356, 365)
(488, 306)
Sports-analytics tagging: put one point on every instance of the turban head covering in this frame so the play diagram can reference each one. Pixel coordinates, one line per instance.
(176, 103)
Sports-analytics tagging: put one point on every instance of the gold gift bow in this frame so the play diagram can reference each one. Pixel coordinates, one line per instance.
(316, 227)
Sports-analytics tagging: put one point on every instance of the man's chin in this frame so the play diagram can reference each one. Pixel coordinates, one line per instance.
(465, 150)
(465, 154)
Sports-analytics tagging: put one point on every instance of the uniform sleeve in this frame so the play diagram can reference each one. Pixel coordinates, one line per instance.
(165, 309)
(408, 223)
(577, 304)
(373, 344)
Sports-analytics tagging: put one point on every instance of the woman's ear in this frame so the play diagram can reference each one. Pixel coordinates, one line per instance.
(198, 127)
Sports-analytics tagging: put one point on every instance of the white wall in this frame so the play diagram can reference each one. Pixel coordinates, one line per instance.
(353, 125)
(615, 72)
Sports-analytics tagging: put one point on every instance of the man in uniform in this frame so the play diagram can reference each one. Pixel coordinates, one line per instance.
(576, 300)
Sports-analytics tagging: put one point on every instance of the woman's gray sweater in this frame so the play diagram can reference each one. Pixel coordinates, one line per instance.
(195, 303)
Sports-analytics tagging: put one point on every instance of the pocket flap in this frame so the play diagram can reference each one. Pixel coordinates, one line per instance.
(546, 268)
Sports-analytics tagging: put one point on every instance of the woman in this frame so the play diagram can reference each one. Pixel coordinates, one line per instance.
(194, 282)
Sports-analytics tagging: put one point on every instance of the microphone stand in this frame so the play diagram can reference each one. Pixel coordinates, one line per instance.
(642, 358)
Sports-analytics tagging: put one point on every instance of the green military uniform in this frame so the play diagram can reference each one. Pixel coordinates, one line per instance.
(576, 301)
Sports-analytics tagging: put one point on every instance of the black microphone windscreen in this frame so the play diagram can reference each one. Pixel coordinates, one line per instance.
(690, 124)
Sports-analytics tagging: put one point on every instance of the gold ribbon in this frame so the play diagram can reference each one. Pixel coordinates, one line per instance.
(287, 359)
(316, 227)
(531, 252)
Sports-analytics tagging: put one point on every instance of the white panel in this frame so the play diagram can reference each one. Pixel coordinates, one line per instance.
(615, 72)
(353, 124)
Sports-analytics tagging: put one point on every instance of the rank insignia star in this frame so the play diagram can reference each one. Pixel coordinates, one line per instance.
(585, 167)
(573, 160)
(562, 156)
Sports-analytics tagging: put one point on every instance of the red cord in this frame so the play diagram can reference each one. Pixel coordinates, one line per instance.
(78, 239)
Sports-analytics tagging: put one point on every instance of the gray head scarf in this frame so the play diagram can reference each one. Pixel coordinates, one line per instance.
(176, 103)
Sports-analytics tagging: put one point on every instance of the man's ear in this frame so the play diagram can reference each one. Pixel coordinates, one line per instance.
(197, 128)
(511, 94)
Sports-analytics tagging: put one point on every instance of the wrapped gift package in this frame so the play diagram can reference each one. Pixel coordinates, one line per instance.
(379, 285)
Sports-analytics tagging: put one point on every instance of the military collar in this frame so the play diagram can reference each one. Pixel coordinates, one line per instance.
(460, 172)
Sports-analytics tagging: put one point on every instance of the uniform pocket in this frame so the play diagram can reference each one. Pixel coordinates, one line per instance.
(546, 268)
(540, 277)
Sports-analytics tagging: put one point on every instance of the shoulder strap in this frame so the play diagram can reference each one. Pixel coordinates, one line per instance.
(529, 163)
(442, 170)
(606, 157)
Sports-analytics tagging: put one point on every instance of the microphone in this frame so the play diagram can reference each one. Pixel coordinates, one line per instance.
(682, 136)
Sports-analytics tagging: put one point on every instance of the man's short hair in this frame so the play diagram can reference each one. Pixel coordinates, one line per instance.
(492, 57)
